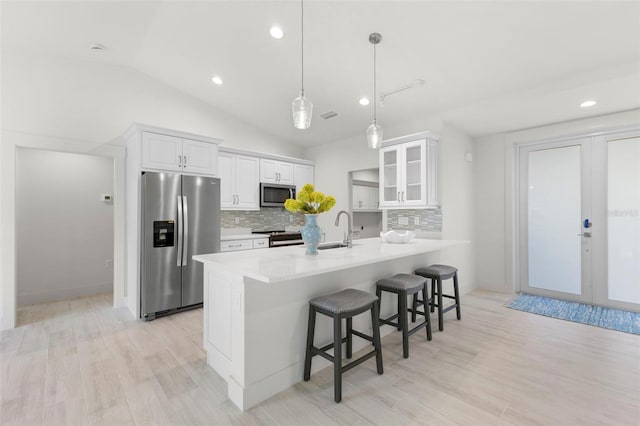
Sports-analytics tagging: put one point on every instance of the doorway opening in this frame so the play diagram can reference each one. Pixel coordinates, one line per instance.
(64, 228)
(365, 203)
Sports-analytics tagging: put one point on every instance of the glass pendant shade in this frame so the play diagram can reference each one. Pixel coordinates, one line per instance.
(302, 108)
(374, 135)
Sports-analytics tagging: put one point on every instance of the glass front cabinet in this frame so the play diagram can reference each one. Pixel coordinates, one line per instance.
(409, 172)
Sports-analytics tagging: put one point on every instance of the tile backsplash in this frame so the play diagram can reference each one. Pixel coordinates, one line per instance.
(428, 220)
(265, 218)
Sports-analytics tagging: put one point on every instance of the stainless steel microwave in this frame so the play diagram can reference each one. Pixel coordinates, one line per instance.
(274, 195)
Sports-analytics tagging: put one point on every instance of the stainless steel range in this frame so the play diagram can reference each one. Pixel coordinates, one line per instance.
(280, 237)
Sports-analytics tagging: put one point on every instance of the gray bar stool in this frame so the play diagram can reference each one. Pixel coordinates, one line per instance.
(343, 304)
(437, 273)
(405, 285)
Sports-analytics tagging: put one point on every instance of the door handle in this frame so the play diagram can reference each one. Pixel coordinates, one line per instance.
(180, 160)
(185, 257)
(179, 231)
(585, 234)
(185, 161)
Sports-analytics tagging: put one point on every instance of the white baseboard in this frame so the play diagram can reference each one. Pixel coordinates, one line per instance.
(61, 294)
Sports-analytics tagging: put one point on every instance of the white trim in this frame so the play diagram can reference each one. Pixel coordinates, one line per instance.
(138, 127)
(11, 140)
(61, 294)
(409, 138)
(266, 155)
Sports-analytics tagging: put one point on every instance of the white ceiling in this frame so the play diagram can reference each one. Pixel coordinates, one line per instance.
(488, 66)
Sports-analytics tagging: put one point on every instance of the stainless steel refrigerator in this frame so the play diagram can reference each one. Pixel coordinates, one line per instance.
(180, 218)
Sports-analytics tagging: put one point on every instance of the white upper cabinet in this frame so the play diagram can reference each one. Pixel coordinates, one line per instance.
(302, 174)
(199, 157)
(274, 171)
(364, 198)
(161, 152)
(239, 182)
(409, 173)
(171, 153)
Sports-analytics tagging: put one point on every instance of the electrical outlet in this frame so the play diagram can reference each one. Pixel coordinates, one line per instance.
(403, 220)
(108, 263)
(290, 218)
(416, 220)
(237, 219)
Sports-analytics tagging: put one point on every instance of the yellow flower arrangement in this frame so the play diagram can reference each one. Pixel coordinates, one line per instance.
(310, 201)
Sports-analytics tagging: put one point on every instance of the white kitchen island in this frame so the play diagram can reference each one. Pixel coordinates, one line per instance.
(256, 307)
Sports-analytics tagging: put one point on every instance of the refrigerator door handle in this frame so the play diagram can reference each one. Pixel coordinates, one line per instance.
(185, 255)
(179, 231)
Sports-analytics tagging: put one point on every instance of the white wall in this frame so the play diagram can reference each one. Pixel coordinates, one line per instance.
(457, 201)
(490, 230)
(90, 101)
(496, 217)
(335, 160)
(64, 231)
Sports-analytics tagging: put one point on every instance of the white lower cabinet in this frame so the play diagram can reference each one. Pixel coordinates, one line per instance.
(239, 181)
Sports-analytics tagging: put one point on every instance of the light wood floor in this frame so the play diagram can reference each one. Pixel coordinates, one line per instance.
(82, 362)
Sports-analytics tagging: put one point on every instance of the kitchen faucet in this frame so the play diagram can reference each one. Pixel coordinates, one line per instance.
(347, 237)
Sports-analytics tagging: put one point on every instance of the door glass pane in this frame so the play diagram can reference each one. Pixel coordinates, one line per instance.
(623, 220)
(390, 175)
(413, 173)
(554, 214)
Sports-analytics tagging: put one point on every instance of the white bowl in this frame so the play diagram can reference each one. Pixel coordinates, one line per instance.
(397, 237)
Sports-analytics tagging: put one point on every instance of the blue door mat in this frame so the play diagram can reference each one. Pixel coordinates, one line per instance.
(614, 319)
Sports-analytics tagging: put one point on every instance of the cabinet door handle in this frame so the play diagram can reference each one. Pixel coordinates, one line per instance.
(185, 161)
(180, 160)
(398, 196)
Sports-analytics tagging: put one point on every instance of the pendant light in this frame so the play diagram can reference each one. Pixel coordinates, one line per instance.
(374, 131)
(302, 107)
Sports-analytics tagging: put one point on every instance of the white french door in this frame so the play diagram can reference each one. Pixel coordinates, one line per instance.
(579, 228)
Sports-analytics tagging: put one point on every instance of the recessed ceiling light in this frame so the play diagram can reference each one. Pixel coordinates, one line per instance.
(587, 104)
(276, 32)
(217, 80)
(364, 101)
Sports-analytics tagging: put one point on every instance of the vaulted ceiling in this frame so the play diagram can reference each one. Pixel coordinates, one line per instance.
(487, 66)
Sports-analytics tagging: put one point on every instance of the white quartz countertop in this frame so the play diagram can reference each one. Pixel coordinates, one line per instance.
(287, 263)
(235, 237)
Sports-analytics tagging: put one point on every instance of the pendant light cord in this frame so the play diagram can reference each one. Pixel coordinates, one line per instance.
(302, 40)
(374, 84)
